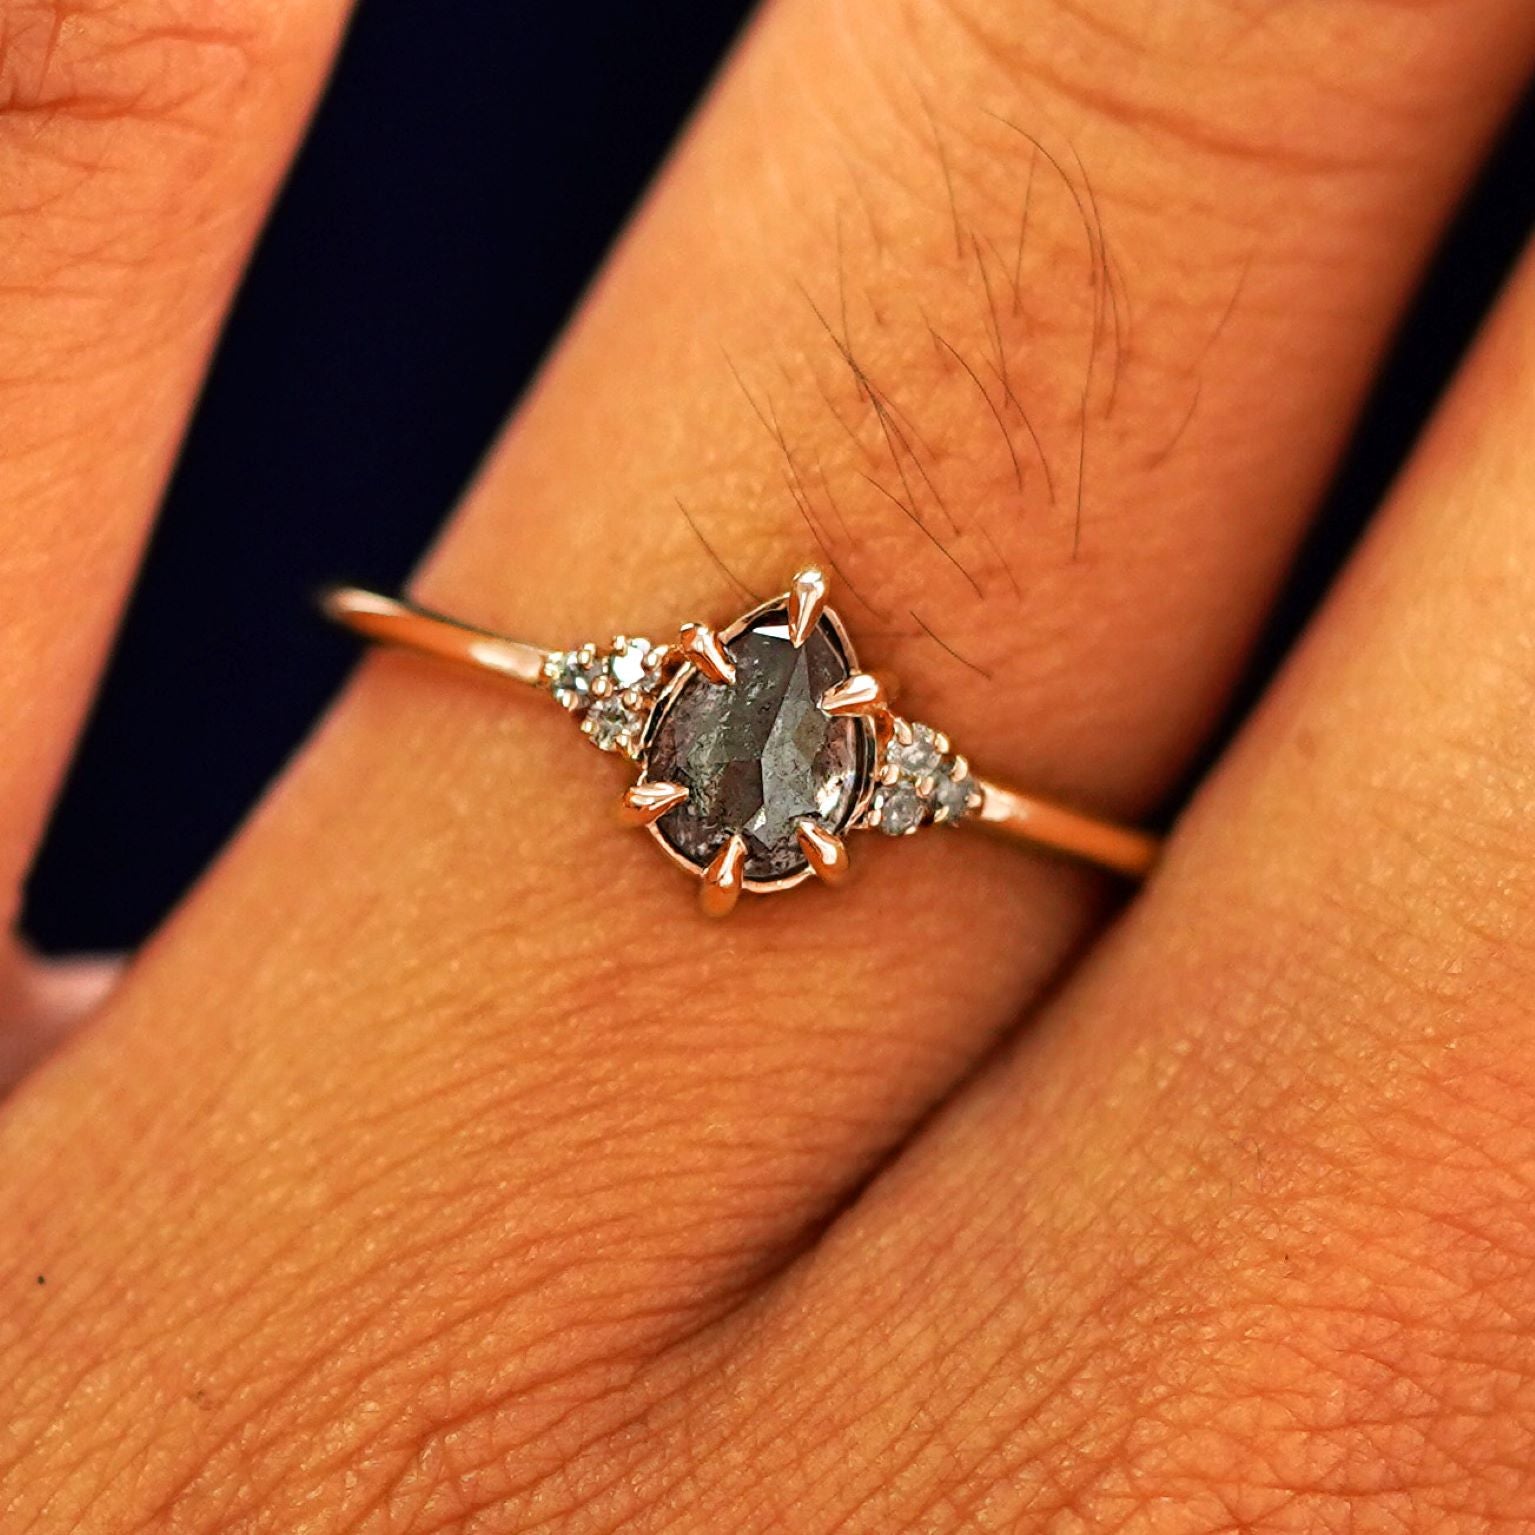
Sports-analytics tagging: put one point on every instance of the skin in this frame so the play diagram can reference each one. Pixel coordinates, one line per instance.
(435, 1171)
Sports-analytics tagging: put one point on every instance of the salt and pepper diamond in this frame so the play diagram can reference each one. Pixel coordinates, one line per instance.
(759, 756)
(921, 782)
(609, 688)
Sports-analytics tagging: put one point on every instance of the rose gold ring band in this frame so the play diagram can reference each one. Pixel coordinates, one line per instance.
(885, 773)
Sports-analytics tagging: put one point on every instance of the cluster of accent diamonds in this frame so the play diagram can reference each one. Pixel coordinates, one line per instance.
(610, 689)
(921, 782)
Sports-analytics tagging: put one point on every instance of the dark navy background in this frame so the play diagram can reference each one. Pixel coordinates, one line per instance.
(463, 177)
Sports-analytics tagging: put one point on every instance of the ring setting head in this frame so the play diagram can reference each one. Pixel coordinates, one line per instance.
(761, 746)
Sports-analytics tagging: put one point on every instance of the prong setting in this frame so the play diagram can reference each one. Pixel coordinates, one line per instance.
(824, 852)
(700, 646)
(645, 803)
(857, 693)
(807, 601)
(724, 879)
(610, 689)
(920, 782)
(822, 769)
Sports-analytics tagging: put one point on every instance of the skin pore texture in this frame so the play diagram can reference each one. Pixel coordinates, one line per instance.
(436, 1170)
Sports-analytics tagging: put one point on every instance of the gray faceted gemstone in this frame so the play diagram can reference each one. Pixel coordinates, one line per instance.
(757, 756)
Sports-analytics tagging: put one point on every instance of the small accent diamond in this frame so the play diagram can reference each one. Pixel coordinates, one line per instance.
(954, 796)
(571, 674)
(898, 809)
(921, 782)
(610, 689)
(612, 724)
(628, 662)
(918, 757)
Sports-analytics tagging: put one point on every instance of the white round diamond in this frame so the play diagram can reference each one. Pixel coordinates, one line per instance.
(571, 677)
(626, 663)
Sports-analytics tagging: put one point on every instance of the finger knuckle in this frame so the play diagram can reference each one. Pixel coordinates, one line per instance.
(103, 62)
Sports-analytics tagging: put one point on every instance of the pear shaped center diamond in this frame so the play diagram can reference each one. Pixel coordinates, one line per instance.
(757, 755)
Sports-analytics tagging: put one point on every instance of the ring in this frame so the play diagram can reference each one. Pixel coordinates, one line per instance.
(760, 746)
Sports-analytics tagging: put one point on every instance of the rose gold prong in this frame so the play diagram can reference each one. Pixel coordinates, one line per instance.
(721, 888)
(807, 601)
(648, 802)
(823, 851)
(925, 786)
(700, 645)
(858, 693)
